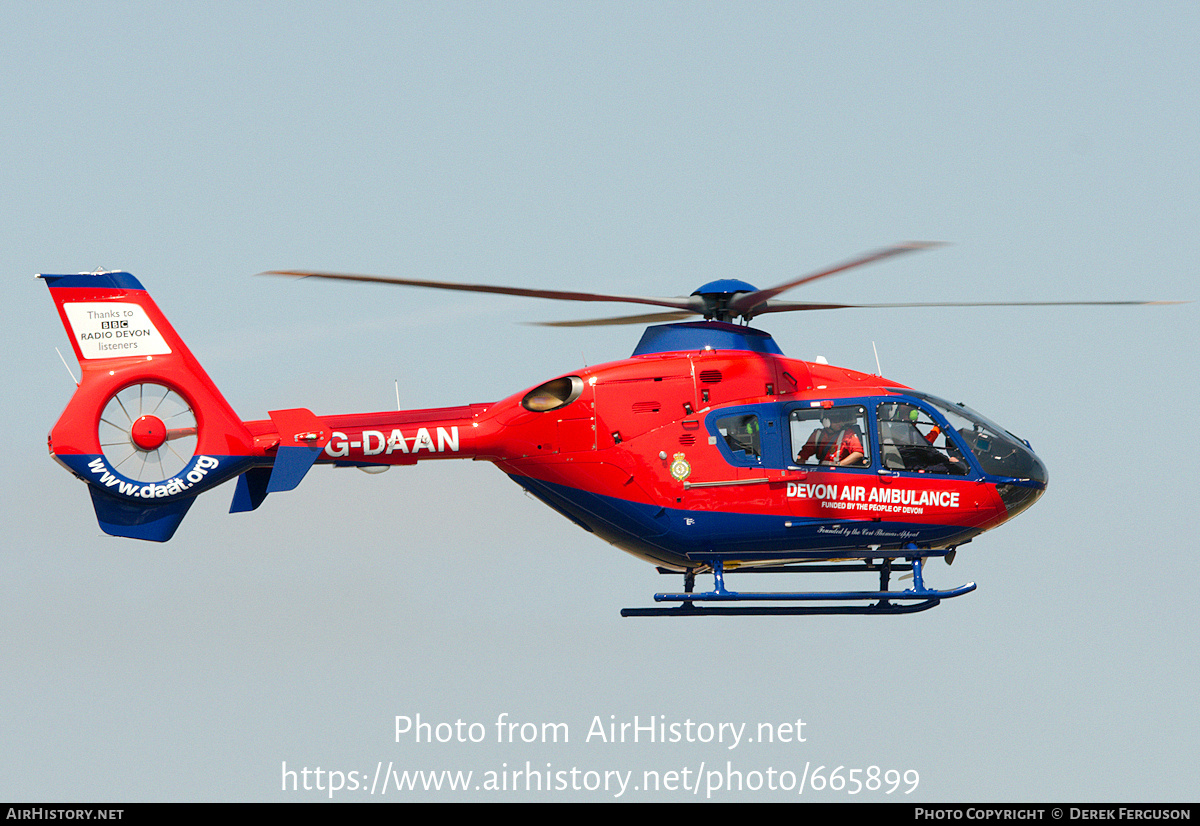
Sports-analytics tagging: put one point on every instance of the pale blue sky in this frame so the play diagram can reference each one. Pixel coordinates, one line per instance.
(630, 148)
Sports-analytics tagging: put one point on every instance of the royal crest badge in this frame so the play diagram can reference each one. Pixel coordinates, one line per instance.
(680, 468)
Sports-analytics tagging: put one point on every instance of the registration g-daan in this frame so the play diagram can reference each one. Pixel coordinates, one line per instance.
(707, 451)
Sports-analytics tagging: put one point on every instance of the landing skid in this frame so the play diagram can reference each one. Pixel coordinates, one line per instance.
(883, 601)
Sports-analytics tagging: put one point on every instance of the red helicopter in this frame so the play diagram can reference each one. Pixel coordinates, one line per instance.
(705, 451)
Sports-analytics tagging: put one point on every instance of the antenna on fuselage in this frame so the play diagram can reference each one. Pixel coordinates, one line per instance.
(70, 372)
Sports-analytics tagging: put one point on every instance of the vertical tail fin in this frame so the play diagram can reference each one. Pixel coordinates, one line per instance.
(146, 428)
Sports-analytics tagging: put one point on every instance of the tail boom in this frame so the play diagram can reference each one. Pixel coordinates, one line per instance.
(405, 437)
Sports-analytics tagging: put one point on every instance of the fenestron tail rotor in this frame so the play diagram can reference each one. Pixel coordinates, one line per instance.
(148, 432)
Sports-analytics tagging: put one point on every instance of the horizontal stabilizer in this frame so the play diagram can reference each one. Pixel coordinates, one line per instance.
(302, 437)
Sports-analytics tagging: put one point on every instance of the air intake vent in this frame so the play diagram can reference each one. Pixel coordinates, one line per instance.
(687, 439)
(710, 376)
(646, 407)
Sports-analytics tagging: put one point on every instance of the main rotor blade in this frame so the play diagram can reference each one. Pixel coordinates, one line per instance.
(689, 303)
(647, 318)
(747, 303)
(791, 306)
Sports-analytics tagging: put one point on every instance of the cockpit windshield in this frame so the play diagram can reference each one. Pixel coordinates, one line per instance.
(909, 440)
(999, 452)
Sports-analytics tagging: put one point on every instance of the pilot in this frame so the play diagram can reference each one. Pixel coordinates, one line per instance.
(917, 457)
(914, 416)
(838, 443)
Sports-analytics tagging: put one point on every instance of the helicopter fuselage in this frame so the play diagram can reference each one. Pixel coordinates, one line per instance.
(708, 444)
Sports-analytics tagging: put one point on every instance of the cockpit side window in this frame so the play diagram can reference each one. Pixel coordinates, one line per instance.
(835, 436)
(910, 440)
(741, 433)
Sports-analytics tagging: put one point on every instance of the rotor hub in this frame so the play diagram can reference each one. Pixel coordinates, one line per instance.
(148, 433)
(718, 294)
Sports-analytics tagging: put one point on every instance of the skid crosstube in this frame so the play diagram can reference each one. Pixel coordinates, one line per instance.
(732, 603)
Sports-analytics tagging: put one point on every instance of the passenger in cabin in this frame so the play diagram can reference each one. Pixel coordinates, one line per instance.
(741, 434)
(839, 442)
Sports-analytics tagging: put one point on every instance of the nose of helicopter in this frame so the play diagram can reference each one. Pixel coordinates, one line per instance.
(1038, 471)
(1008, 462)
(1019, 494)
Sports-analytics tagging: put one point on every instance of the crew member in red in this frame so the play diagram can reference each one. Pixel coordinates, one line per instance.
(838, 443)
